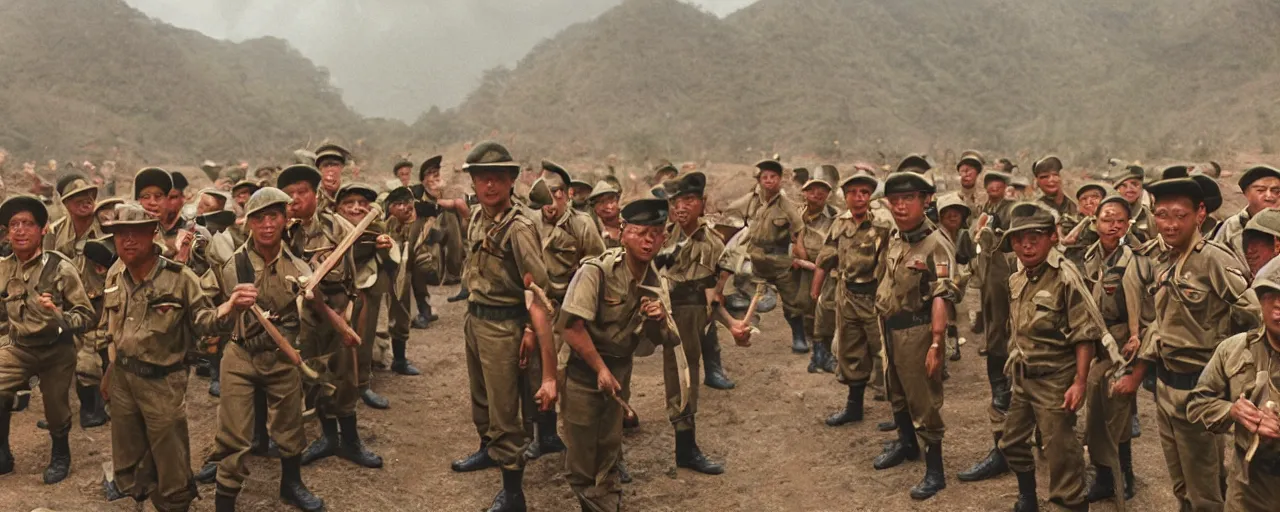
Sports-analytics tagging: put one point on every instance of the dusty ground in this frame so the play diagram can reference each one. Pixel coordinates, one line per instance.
(779, 454)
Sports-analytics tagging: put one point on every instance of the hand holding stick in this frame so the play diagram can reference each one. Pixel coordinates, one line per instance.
(330, 261)
(282, 343)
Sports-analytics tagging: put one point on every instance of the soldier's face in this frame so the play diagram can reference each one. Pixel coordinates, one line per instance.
(353, 207)
(1270, 302)
(968, 175)
(402, 210)
(303, 204)
(106, 215)
(996, 190)
(154, 200)
(267, 226)
(173, 204)
(24, 234)
(81, 205)
(134, 243)
(857, 198)
(431, 182)
(1259, 248)
(686, 208)
(606, 207)
(404, 174)
(331, 174)
(1032, 246)
(643, 242)
(770, 181)
(908, 208)
(580, 193)
(242, 196)
(816, 195)
(1130, 189)
(1050, 183)
(559, 203)
(1262, 194)
(1178, 219)
(1113, 222)
(493, 187)
(1089, 202)
(209, 203)
(952, 219)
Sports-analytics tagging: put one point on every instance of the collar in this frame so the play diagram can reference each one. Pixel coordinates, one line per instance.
(919, 233)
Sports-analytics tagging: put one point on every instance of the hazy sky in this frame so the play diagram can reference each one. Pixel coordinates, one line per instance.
(396, 58)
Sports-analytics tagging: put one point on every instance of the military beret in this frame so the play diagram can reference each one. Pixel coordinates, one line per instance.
(401, 165)
(1092, 185)
(991, 174)
(693, 183)
(491, 156)
(361, 189)
(908, 181)
(180, 182)
(972, 158)
(603, 188)
(101, 251)
(914, 163)
(24, 203)
(861, 175)
(1256, 173)
(265, 198)
(1266, 221)
(1212, 193)
(296, 173)
(130, 214)
(399, 194)
(953, 201)
(540, 194)
(431, 164)
(253, 186)
(554, 169)
(1048, 164)
(645, 212)
(1131, 172)
(1117, 199)
(768, 165)
(1025, 217)
(152, 176)
(332, 152)
(74, 184)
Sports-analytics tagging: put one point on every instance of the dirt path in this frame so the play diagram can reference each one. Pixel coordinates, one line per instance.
(779, 454)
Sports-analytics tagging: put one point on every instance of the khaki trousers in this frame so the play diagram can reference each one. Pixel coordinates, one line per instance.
(1192, 453)
(593, 436)
(242, 373)
(55, 365)
(1037, 403)
(691, 322)
(150, 445)
(497, 386)
(910, 388)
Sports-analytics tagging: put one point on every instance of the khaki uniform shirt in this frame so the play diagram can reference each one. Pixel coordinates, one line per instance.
(610, 241)
(917, 269)
(1142, 225)
(1119, 282)
(62, 237)
(277, 296)
(157, 320)
(1231, 234)
(29, 323)
(1050, 314)
(1199, 303)
(565, 243)
(697, 264)
(1068, 212)
(1232, 372)
(855, 249)
(606, 296)
(772, 224)
(503, 250)
(974, 198)
(817, 226)
(326, 202)
(314, 240)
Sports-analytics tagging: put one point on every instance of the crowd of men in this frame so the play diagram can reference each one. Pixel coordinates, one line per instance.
(273, 284)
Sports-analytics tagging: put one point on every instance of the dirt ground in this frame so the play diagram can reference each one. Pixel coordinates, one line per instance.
(769, 431)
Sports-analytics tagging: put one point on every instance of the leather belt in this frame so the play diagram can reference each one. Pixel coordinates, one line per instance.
(868, 288)
(908, 320)
(497, 313)
(147, 370)
(1178, 380)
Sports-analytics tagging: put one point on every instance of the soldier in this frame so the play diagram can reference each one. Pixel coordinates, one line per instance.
(242, 191)
(1129, 185)
(452, 245)
(848, 272)
(1118, 277)
(953, 218)
(403, 171)
(1200, 298)
(505, 256)
(266, 275)
(1261, 188)
(604, 209)
(1081, 237)
(1239, 388)
(67, 237)
(330, 160)
(1055, 328)
(45, 309)
(693, 279)
(774, 226)
(1261, 239)
(817, 217)
(581, 190)
(372, 252)
(212, 200)
(154, 311)
(1048, 173)
(312, 235)
(994, 267)
(602, 318)
(411, 232)
(104, 210)
(914, 299)
(968, 168)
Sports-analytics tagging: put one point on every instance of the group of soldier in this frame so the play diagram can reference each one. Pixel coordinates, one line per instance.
(276, 284)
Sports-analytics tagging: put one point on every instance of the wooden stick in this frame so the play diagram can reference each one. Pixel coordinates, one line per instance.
(330, 261)
(628, 412)
(282, 343)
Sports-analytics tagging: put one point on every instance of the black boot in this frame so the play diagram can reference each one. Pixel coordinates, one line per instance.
(887, 426)
(215, 378)
(463, 294)
(992, 466)
(798, 343)
(1104, 485)
(828, 363)
(511, 497)
(225, 500)
(374, 400)
(293, 491)
(904, 448)
(1001, 394)
(425, 316)
(208, 473)
(935, 479)
(1027, 501)
(1126, 468)
(688, 455)
(6, 456)
(852, 407)
(476, 461)
(59, 460)
(399, 362)
(326, 445)
(712, 365)
(548, 440)
(352, 448)
(93, 412)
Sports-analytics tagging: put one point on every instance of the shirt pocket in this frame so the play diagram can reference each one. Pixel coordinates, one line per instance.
(163, 315)
(1046, 313)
